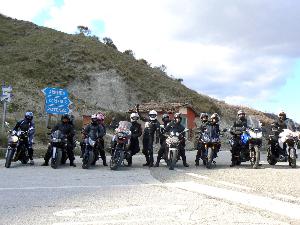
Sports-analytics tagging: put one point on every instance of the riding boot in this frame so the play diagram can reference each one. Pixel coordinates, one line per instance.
(185, 164)
(104, 161)
(72, 163)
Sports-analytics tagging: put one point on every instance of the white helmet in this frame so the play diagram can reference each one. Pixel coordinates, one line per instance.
(134, 117)
(152, 115)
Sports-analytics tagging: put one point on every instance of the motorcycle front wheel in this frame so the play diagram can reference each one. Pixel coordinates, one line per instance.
(9, 155)
(209, 158)
(172, 160)
(292, 157)
(116, 160)
(270, 157)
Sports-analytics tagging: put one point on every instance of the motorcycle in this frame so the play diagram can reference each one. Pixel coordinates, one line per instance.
(58, 144)
(255, 140)
(172, 150)
(211, 141)
(122, 138)
(289, 137)
(90, 155)
(16, 149)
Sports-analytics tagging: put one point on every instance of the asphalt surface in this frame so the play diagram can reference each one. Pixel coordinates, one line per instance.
(142, 195)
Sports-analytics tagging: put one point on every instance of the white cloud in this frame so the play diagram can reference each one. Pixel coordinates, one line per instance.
(239, 51)
(24, 10)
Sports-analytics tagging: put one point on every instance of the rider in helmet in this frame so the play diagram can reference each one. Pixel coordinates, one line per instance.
(278, 126)
(136, 132)
(161, 151)
(68, 130)
(214, 122)
(199, 145)
(100, 117)
(239, 124)
(96, 130)
(28, 126)
(176, 126)
(150, 133)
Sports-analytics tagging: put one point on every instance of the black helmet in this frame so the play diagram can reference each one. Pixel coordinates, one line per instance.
(204, 116)
(165, 117)
(177, 117)
(282, 115)
(215, 117)
(64, 118)
(29, 116)
(241, 114)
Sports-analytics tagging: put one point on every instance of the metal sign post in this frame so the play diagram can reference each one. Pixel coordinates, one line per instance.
(5, 97)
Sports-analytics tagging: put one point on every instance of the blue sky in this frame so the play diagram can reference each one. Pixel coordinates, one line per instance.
(243, 52)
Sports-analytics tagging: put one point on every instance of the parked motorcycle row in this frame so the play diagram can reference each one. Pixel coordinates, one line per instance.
(249, 139)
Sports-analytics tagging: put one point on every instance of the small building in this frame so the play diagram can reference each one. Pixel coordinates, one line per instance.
(187, 111)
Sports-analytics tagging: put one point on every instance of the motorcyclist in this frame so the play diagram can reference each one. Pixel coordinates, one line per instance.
(68, 130)
(101, 118)
(96, 131)
(277, 128)
(161, 151)
(239, 124)
(151, 132)
(27, 125)
(136, 132)
(215, 118)
(176, 126)
(199, 131)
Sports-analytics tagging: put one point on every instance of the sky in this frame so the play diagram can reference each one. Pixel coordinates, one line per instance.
(243, 52)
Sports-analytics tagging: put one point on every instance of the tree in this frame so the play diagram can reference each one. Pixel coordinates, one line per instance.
(129, 52)
(109, 42)
(162, 68)
(84, 30)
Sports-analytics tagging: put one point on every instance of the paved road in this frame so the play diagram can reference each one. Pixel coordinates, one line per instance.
(139, 195)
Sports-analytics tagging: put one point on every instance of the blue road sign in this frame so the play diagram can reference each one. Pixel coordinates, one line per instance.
(55, 92)
(57, 101)
(57, 110)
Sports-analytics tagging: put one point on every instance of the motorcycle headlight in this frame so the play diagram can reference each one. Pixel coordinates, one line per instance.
(14, 139)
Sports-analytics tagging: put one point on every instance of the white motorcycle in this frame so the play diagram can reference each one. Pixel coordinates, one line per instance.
(255, 140)
(290, 137)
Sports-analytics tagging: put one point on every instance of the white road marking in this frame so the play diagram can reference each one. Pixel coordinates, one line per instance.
(276, 206)
(220, 182)
(198, 176)
(68, 212)
(130, 221)
(234, 185)
(74, 187)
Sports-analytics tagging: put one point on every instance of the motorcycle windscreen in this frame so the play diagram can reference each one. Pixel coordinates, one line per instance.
(212, 133)
(124, 126)
(253, 122)
(290, 125)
